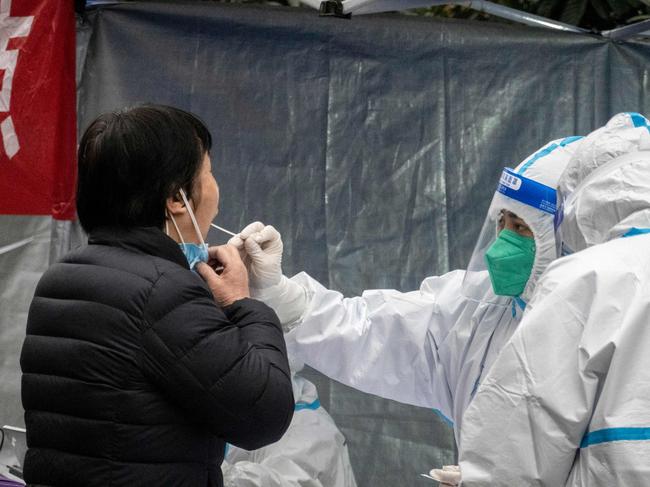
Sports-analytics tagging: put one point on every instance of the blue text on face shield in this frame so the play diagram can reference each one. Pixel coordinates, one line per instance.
(527, 191)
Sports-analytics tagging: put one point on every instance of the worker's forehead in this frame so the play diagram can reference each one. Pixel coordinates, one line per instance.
(509, 214)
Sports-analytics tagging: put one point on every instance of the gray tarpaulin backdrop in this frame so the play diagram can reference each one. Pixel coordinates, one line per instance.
(373, 144)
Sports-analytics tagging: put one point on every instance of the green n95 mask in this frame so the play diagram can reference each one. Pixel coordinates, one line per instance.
(509, 262)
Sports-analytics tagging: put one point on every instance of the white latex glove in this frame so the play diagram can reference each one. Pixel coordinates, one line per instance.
(448, 476)
(261, 249)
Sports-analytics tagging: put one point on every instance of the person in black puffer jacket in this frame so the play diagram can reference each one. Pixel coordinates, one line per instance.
(141, 360)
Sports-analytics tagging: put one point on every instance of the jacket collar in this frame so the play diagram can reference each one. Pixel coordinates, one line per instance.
(146, 240)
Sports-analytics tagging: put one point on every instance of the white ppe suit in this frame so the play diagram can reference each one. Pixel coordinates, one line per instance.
(567, 403)
(312, 453)
(428, 347)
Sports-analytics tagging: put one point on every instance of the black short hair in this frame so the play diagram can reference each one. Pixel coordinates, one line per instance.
(131, 161)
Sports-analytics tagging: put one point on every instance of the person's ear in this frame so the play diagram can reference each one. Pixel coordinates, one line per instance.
(175, 206)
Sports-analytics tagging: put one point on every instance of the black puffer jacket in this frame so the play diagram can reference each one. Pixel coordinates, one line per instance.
(132, 376)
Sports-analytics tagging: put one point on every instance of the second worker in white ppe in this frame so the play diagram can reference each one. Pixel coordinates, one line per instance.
(567, 403)
(312, 453)
(429, 347)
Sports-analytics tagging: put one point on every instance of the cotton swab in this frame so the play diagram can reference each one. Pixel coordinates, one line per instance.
(223, 230)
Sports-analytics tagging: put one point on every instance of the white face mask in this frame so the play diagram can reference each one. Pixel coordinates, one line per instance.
(194, 253)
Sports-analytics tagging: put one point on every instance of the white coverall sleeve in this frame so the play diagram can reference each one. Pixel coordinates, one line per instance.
(527, 420)
(384, 342)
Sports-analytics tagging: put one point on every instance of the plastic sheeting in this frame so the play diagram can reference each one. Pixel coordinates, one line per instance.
(373, 144)
(24, 256)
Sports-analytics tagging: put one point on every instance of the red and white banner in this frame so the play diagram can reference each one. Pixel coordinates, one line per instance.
(37, 108)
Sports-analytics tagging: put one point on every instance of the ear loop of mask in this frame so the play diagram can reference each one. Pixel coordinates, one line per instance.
(180, 235)
(189, 210)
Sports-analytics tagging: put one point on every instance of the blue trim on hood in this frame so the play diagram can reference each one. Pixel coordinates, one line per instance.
(546, 151)
(634, 231)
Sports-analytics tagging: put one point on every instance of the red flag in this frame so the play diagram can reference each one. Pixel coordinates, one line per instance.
(37, 108)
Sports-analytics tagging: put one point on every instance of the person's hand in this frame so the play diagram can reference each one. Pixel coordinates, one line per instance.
(448, 476)
(262, 249)
(231, 283)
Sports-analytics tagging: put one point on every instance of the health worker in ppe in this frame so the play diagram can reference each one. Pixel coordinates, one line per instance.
(429, 347)
(312, 453)
(567, 402)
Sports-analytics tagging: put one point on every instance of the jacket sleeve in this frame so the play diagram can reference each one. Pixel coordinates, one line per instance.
(526, 424)
(227, 368)
(384, 342)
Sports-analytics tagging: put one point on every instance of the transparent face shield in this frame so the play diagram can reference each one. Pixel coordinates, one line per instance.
(563, 247)
(520, 200)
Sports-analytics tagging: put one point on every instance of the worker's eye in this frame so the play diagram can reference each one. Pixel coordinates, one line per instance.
(521, 228)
